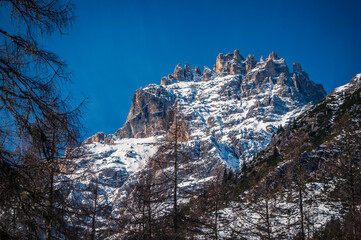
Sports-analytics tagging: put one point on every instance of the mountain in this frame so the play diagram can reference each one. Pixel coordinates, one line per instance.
(282, 146)
(320, 133)
(227, 116)
(316, 158)
(230, 113)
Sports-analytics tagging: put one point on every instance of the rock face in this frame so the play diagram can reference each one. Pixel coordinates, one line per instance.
(188, 75)
(149, 114)
(273, 56)
(227, 116)
(230, 63)
(178, 73)
(297, 67)
(250, 63)
(98, 137)
(238, 105)
(324, 136)
(197, 70)
(325, 142)
(207, 74)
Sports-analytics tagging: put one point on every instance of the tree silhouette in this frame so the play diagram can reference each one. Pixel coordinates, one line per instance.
(37, 122)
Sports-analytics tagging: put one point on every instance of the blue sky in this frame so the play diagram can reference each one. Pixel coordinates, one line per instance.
(115, 47)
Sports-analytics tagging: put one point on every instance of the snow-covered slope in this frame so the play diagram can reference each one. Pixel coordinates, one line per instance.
(230, 114)
(113, 163)
(354, 84)
(321, 147)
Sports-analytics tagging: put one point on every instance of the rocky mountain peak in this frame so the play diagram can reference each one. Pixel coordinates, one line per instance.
(231, 63)
(235, 64)
(197, 70)
(178, 73)
(297, 67)
(207, 74)
(226, 120)
(237, 56)
(99, 137)
(250, 62)
(273, 56)
(227, 117)
(231, 112)
(188, 75)
(150, 115)
(270, 67)
(350, 87)
(248, 92)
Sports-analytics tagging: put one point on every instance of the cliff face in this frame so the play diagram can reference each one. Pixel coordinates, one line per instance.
(230, 117)
(239, 80)
(321, 150)
(228, 114)
(323, 137)
(149, 114)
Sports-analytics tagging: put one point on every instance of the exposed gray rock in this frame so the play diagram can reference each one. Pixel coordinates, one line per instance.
(196, 74)
(312, 92)
(273, 56)
(270, 67)
(178, 73)
(171, 77)
(297, 67)
(98, 137)
(150, 113)
(197, 70)
(236, 68)
(250, 63)
(109, 139)
(237, 56)
(113, 178)
(164, 81)
(188, 75)
(207, 74)
(219, 63)
(231, 63)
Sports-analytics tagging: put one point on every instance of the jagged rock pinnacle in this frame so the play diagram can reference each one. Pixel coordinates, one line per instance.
(197, 70)
(207, 74)
(273, 56)
(188, 75)
(178, 73)
(250, 62)
(297, 67)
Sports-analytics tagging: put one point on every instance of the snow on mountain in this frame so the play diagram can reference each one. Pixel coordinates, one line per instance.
(231, 113)
(354, 84)
(323, 144)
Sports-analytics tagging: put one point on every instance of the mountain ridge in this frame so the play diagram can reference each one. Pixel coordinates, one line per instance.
(228, 121)
(229, 114)
(229, 64)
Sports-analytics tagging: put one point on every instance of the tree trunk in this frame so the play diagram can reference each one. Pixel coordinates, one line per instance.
(216, 215)
(300, 198)
(268, 220)
(95, 206)
(175, 204)
(352, 187)
(149, 206)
